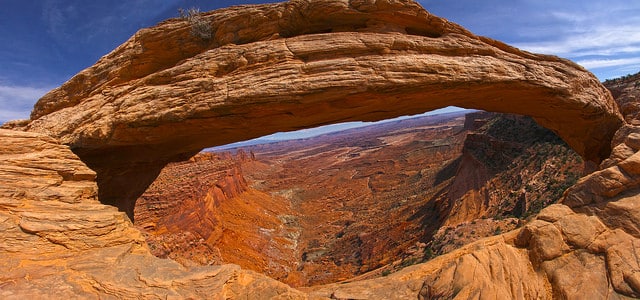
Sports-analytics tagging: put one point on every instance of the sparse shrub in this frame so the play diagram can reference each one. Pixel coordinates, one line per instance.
(409, 262)
(386, 272)
(497, 231)
(428, 254)
(200, 27)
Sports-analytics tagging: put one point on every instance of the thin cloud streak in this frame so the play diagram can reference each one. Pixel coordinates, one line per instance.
(9, 115)
(604, 40)
(580, 31)
(21, 92)
(16, 102)
(608, 50)
(605, 63)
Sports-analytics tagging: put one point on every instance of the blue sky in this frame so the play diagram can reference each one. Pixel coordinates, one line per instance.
(45, 42)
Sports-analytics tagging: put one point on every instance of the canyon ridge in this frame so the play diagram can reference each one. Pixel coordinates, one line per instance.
(72, 173)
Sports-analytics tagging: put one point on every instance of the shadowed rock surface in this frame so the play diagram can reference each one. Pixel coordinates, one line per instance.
(164, 95)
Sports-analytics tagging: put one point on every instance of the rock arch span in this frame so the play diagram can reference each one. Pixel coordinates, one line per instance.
(165, 94)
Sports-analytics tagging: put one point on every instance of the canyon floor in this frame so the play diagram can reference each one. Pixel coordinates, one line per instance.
(362, 202)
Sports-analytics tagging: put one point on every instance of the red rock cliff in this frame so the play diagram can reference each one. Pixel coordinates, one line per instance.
(203, 211)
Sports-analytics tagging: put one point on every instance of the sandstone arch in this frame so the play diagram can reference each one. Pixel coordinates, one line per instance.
(164, 94)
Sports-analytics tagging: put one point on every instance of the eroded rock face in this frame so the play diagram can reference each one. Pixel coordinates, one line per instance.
(146, 104)
(626, 91)
(164, 94)
(202, 211)
(58, 241)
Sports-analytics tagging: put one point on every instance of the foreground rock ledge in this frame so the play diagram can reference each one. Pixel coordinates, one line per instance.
(165, 94)
(58, 241)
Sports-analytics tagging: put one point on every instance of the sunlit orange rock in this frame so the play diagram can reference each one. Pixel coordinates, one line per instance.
(164, 94)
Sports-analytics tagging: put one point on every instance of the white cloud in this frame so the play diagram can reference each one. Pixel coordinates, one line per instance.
(21, 92)
(16, 102)
(598, 32)
(8, 115)
(605, 63)
(602, 40)
(608, 50)
(568, 17)
(56, 15)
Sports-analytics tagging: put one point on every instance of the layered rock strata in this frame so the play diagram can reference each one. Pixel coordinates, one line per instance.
(586, 247)
(202, 211)
(164, 94)
(315, 62)
(59, 242)
(509, 166)
(626, 91)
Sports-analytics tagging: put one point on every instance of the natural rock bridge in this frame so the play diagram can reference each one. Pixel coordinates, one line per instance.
(165, 94)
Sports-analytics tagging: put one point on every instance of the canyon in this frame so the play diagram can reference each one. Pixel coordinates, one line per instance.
(366, 200)
(72, 173)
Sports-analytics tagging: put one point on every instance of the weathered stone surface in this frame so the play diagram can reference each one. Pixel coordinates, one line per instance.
(160, 96)
(605, 184)
(269, 68)
(486, 272)
(627, 94)
(58, 241)
(581, 275)
(482, 270)
(531, 263)
(544, 241)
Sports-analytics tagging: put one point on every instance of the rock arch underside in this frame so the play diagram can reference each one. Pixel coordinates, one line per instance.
(165, 94)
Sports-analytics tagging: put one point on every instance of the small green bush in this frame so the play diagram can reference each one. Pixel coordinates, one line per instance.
(428, 253)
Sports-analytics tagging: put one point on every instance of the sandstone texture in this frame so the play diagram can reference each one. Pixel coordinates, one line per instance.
(59, 241)
(165, 94)
(561, 255)
(587, 247)
(202, 211)
(626, 91)
(359, 203)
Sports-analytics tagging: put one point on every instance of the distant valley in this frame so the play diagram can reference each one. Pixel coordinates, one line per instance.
(361, 202)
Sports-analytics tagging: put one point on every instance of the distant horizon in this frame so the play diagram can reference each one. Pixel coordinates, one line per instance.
(331, 128)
